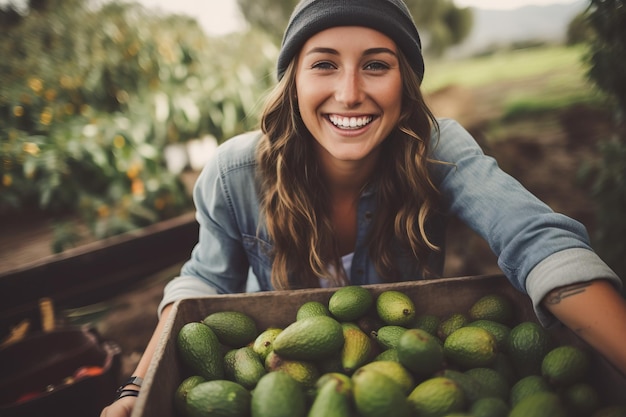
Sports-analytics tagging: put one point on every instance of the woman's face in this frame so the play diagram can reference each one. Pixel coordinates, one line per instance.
(349, 91)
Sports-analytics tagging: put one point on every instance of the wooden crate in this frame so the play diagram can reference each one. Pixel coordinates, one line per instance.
(278, 309)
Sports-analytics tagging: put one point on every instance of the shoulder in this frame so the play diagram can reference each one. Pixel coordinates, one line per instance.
(233, 162)
(452, 141)
(238, 151)
(449, 129)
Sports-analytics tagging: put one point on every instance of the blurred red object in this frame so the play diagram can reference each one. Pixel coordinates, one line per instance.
(86, 371)
(67, 372)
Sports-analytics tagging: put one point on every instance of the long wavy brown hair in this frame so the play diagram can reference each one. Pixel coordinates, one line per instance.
(295, 199)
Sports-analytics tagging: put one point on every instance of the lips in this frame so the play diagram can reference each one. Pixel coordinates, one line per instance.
(350, 123)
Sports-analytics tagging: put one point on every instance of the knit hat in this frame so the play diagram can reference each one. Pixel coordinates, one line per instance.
(391, 17)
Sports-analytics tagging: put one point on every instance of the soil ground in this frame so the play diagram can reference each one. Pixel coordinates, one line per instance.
(544, 156)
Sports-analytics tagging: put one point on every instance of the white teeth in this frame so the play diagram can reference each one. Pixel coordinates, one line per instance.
(350, 122)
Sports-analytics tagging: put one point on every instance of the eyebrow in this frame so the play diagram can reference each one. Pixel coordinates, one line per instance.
(370, 51)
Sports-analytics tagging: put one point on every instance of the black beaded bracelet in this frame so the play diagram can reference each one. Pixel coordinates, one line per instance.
(127, 393)
(133, 380)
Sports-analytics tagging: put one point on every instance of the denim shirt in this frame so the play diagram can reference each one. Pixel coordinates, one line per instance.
(537, 249)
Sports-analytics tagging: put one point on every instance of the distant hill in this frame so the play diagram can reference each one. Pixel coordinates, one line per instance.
(528, 23)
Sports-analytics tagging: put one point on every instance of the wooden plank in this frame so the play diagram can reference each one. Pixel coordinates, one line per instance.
(96, 271)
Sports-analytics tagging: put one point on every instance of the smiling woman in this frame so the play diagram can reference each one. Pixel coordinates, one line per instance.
(349, 97)
(350, 180)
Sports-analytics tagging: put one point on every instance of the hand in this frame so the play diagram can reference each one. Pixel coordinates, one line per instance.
(120, 408)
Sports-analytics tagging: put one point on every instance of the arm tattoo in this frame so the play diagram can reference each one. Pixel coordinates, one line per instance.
(556, 296)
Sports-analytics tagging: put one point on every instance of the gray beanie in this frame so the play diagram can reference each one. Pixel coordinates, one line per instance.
(391, 17)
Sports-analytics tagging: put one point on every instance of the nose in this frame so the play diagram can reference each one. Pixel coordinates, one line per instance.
(349, 89)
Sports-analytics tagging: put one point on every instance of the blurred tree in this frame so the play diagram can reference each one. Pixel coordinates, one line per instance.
(9, 17)
(441, 23)
(607, 176)
(608, 48)
(270, 16)
(91, 96)
(579, 30)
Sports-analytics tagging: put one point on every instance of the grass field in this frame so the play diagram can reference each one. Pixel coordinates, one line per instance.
(526, 81)
(507, 66)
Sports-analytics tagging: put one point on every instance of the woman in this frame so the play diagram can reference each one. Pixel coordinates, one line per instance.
(351, 175)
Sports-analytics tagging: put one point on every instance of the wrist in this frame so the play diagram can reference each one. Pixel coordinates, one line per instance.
(130, 388)
(133, 381)
(127, 393)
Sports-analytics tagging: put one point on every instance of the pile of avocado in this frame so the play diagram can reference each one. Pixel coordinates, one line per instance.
(361, 355)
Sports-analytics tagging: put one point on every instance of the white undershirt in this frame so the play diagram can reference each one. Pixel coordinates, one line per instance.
(346, 262)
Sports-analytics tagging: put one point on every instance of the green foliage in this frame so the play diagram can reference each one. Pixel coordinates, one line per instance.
(269, 16)
(579, 30)
(607, 177)
(116, 181)
(441, 23)
(460, 22)
(607, 180)
(86, 113)
(608, 48)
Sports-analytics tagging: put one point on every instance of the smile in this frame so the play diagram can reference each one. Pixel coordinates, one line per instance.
(350, 122)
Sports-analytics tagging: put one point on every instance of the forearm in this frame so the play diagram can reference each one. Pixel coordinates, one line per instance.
(124, 406)
(596, 312)
(146, 358)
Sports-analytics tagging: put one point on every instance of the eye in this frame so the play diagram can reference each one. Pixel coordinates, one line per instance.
(323, 65)
(376, 66)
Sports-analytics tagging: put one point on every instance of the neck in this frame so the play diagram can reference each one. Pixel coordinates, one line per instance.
(347, 178)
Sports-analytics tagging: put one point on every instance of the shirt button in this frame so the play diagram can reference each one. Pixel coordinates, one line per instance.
(368, 215)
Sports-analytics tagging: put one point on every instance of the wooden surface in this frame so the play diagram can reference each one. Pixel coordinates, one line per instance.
(96, 271)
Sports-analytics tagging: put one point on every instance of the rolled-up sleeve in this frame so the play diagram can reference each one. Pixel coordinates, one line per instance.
(528, 237)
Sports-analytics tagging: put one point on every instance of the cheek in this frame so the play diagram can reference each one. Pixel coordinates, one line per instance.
(308, 96)
(392, 94)
(305, 107)
(391, 99)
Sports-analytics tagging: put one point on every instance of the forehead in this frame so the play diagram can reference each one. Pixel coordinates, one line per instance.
(349, 36)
